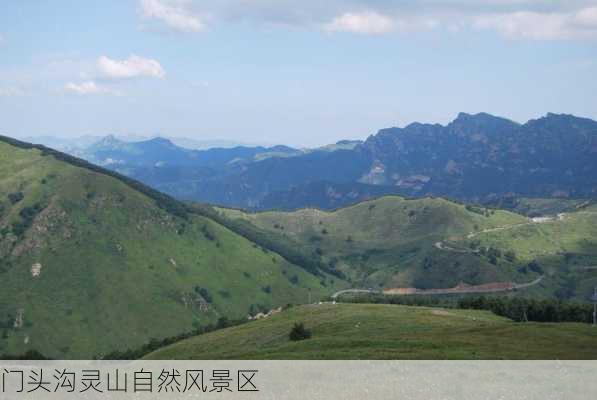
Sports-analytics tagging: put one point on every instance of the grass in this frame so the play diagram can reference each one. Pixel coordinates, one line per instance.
(365, 331)
(118, 269)
(389, 242)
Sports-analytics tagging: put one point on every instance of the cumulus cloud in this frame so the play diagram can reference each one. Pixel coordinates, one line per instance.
(176, 14)
(132, 67)
(372, 23)
(367, 23)
(516, 19)
(581, 24)
(88, 88)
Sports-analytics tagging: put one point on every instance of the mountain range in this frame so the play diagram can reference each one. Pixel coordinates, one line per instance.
(476, 158)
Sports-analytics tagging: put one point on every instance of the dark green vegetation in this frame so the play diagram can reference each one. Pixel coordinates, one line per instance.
(523, 310)
(475, 158)
(519, 309)
(299, 332)
(92, 262)
(538, 207)
(365, 331)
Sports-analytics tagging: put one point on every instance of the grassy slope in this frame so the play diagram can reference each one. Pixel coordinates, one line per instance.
(385, 242)
(116, 269)
(390, 332)
(562, 247)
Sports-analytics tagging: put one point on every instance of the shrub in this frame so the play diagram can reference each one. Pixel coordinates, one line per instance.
(203, 292)
(299, 332)
(535, 267)
(510, 256)
(15, 197)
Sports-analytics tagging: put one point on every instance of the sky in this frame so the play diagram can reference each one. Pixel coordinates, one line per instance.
(303, 73)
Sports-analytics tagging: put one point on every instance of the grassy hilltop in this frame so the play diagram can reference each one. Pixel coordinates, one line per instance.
(89, 264)
(366, 331)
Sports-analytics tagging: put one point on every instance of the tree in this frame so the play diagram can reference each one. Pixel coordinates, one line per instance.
(510, 255)
(299, 332)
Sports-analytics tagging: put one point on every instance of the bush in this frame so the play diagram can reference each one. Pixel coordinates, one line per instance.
(203, 292)
(299, 332)
(14, 198)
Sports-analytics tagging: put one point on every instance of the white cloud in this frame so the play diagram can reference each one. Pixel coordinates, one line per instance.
(132, 67)
(1, 39)
(88, 88)
(581, 24)
(516, 19)
(174, 13)
(366, 23)
(373, 23)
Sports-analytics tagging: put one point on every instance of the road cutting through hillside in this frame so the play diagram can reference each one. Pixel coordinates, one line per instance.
(533, 221)
(461, 288)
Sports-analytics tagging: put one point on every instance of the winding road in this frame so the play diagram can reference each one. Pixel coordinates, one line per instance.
(532, 221)
(480, 288)
(485, 288)
(369, 291)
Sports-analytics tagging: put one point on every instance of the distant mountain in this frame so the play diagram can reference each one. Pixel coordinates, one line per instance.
(332, 195)
(479, 158)
(160, 152)
(474, 158)
(197, 144)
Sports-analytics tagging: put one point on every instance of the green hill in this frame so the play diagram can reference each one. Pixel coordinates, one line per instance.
(91, 262)
(391, 241)
(351, 331)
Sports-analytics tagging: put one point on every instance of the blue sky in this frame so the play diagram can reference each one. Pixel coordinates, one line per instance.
(277, 71)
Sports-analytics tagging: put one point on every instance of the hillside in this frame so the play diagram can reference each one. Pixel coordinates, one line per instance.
(397, 243)
(562, 246)
(91, 262)
(344, 331)
(390, 242)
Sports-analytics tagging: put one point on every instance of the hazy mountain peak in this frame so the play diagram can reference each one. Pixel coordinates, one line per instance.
(160, 141)
(563, 121)
(108, 141)
(481, 118)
